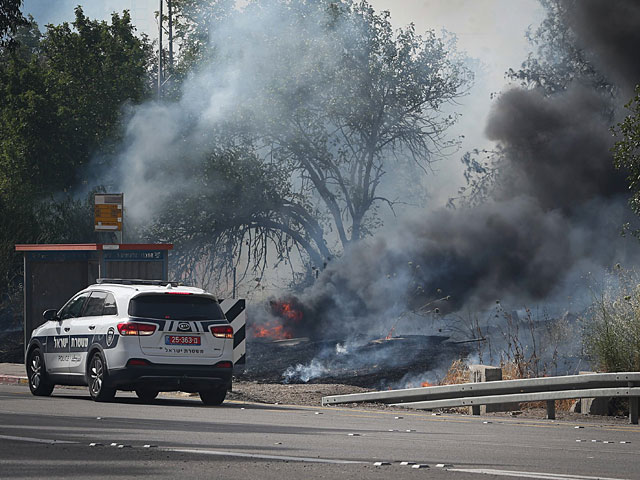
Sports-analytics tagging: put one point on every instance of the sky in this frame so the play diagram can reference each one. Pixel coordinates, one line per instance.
(490, 31)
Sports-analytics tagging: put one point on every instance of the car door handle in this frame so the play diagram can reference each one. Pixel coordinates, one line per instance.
(92, 327)
(66, 329)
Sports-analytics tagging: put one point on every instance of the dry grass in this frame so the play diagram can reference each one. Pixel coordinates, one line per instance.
(458, 373)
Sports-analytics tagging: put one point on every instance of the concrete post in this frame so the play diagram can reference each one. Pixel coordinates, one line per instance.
(594, 406)
(633, 410)
(633, 406)
(551, 409)
(487, 373)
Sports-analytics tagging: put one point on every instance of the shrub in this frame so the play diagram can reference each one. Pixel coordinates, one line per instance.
(612, 332)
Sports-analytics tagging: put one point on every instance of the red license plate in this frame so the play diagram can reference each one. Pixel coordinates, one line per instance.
(182, 340)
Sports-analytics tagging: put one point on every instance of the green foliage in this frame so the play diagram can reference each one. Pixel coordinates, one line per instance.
(557, 59)
(62, 95)
(626, 151)
(612, 333)
(62, 98)
(194, 21)
(10, 19)
(235, 208)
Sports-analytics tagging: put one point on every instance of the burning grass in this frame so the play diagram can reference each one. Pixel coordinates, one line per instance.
(287, 316)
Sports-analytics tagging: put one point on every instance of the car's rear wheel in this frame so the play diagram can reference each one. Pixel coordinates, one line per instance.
(213, 397)
(99, 387)
(39, 382)
(146, 394)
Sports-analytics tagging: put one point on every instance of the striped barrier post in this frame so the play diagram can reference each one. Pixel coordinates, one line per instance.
(236, 312)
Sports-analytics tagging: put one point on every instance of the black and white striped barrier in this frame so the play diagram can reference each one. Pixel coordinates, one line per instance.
(236, 312)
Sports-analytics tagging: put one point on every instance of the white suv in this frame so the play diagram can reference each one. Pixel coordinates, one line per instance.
(146, 336)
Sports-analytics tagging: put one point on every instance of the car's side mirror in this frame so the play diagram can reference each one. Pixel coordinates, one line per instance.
(49, 315)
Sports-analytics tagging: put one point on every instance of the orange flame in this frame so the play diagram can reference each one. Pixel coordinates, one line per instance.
(271, 330)
(426, 384)
(279, 328)
(390, 335)
(286, 310)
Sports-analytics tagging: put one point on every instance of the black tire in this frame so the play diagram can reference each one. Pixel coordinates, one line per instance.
(39, 382)
(213, 397)
(98, 376)
(146, 394)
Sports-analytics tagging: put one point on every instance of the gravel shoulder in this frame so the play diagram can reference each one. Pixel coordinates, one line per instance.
(292, 394)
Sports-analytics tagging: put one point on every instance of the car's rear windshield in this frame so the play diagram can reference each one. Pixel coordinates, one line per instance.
(175, 307)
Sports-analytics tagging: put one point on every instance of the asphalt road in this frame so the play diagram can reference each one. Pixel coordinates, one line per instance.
(51, 437)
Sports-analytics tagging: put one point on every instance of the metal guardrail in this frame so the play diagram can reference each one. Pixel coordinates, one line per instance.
(548, 389)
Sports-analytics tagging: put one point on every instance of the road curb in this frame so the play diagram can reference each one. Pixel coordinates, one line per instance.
(13, 380)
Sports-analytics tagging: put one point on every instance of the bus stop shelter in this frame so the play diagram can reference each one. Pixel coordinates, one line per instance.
(53, 273)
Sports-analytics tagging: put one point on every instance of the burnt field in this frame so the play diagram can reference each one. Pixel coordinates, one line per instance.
(371, 363)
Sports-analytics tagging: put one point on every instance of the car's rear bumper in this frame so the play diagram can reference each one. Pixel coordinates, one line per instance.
(167, 378)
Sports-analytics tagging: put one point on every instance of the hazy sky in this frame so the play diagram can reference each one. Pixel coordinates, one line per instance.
(491, 31)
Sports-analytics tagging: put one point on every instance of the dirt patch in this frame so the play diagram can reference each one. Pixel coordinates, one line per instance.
(296, 394)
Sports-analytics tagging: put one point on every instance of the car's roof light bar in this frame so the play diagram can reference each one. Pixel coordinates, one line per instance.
(135, 281)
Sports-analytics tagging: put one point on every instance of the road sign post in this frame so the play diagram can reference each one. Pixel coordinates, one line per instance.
(108, 212)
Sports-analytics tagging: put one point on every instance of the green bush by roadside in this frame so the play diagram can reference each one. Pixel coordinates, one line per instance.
(612, 326)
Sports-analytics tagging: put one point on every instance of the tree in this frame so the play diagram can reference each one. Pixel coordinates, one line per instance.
(237, 207)
(194, 21)
(332, 98)
(626, 151)
(62, 100)
(381, 109)
(557, 60)
(556, 63)
(10, 19)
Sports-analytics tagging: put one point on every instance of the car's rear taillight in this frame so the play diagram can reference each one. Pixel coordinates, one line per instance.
(224, 331)
(223, 365)
(134, 328)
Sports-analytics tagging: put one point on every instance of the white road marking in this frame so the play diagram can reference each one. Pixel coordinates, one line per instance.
(261, 456)
(539, 475)
(33, 440)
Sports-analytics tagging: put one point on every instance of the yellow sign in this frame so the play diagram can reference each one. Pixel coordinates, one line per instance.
(108, 212)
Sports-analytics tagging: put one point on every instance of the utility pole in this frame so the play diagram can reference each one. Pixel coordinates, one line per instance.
(170, 13)
(160, 53)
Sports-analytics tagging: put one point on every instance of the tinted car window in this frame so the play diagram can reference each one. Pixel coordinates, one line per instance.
(95, 304)
(110, 305)
(175, 307)
(74, 307)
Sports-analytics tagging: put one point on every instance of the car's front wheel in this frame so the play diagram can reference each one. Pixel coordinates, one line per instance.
(213, 397)
(99, 388)
(39, 382)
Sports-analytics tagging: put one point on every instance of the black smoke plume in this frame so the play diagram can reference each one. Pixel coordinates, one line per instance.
(554, 216)
(609, 33)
